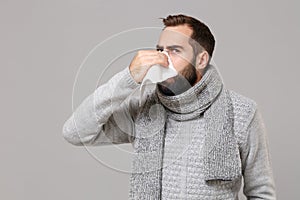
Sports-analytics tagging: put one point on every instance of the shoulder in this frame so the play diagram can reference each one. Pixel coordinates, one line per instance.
(244, 109)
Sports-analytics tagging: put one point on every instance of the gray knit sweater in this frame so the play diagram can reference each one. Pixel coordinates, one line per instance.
(107, 116)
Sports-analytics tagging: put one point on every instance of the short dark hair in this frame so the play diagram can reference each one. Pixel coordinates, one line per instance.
(201, 33)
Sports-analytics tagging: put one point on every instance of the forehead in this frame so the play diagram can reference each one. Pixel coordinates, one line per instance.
(175, 35)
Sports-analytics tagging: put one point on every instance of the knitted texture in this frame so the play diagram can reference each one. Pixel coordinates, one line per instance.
(183, 166)
(221, 155)
(111, 115)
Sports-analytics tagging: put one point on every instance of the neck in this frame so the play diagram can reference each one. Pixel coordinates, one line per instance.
(199, 76)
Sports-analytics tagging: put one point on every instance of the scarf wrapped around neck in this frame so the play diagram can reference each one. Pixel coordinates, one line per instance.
(221, 153)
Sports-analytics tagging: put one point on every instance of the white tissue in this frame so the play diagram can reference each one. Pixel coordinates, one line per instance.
(158, 73)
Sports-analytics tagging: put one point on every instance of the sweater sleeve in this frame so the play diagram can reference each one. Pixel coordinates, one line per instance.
(104, 116)
(257, 170)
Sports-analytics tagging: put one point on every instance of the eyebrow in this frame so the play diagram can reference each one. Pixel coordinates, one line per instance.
(170, 47)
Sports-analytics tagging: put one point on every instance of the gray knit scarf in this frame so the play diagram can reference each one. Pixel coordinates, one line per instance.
(221, 153)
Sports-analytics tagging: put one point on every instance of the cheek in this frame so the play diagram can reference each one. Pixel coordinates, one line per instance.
(179, 62)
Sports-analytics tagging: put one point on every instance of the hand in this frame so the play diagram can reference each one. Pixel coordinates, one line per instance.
(143, 60)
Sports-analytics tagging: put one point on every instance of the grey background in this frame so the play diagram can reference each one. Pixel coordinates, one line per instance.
(43, 43)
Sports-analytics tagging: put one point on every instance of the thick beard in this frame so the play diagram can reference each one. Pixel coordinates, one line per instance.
(180, 83)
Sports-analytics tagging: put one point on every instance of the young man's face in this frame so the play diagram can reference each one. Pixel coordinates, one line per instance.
(175, 40)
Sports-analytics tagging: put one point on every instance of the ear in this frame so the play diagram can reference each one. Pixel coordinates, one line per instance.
(202, 60)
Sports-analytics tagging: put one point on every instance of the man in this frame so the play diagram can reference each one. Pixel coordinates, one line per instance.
(192, 137)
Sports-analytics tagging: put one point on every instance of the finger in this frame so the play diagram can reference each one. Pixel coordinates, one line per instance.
(142, 53)
(152, 60)
(164, 57)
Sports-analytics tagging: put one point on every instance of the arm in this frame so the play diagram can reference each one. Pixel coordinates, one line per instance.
(103, 117)
(257, 171)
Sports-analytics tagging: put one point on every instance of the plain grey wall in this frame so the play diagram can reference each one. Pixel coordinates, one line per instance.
(43, 43)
